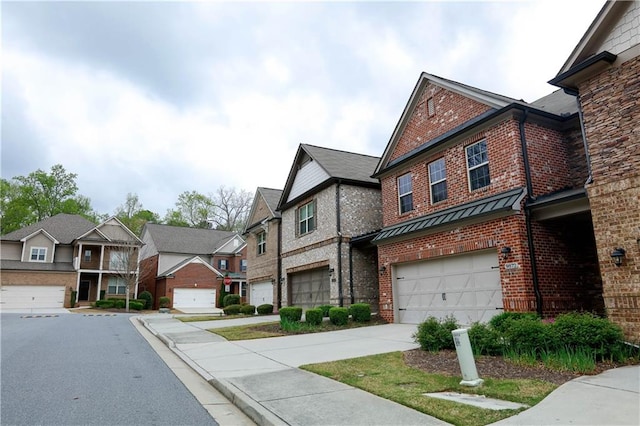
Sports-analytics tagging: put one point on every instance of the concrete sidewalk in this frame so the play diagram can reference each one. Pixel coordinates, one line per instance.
(261, 377)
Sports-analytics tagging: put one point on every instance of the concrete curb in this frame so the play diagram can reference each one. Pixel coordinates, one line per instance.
(250, 407)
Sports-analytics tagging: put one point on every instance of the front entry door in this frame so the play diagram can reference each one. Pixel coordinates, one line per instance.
(83, 293)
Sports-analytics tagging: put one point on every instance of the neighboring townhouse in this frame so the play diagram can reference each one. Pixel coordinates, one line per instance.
(484, 208)
(67, 257)
(262, 234)
(603, 72)
(330, 209)
(193, 267)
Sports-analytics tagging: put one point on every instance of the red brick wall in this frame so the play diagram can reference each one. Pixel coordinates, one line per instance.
(194, 275)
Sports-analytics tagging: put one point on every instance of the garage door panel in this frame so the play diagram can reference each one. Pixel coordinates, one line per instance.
(261, 293)
(20, 297)
(194, 298)
(311, 288)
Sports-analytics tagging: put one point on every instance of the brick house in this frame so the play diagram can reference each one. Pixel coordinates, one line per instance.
(189, 265)
(46, 264)
(603, 73)
(484, 207)
(330, 209)
(262, 235)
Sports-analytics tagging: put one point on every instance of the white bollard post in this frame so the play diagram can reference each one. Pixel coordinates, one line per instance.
(465, 358)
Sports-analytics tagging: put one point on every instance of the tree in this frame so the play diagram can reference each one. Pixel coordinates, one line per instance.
(132, 215)
(39, 195)
(123, 264)
(231, 209)
(193, 209)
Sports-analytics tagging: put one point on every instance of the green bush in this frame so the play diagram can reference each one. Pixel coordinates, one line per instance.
(105, 304)
(164, 302)
(148, 299)
(588, 331)
(313, 316)
(325, 310)
(135, 305)
(265, 309)
(360, 312)
(248, 310)
(434, 335)
(291, 313)
(72, 300)
(231, 299)
(338, 316)
(232, 309)
(530, 336)
(485, 340)
(501, 321)
(120, 304)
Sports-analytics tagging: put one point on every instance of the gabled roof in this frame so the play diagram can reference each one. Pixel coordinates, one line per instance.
(504, 202)
(115, 222)
(229, 248)
(178, 239)
(43, 232)
(271, 198)
(189, 261)
(65, 228)
(347, 167)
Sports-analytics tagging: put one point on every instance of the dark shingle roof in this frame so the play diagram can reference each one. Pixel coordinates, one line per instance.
(343, 164)
(17, 265)
(501, 202)
(178, 239)
(271, 197)
(558, 103)
(63, 227)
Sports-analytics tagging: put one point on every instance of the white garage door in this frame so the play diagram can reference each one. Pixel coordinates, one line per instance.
(261, 293)
(310, 289)
(194, 298)
(466, 286)
(26, 296)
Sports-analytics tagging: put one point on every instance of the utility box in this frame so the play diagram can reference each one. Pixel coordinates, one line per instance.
(465, 358)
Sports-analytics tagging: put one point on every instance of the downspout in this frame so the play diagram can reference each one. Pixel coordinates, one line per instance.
(527, 214)
(279, 275)
(351, 273)
(339, 231)
(584, 139)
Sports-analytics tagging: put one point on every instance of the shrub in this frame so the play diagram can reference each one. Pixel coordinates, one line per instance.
(105, 304)
(501, 321)
(232, 309)
(231, 299)
(530, 336)
(72, 301)
(120, 304)
(434, 335)
(265, 309)
(485, 340)
(148, 299)
(361, 312)
(338, 316)
(291, 313)
(135, 305)
(586, 331)
(325, 310)
(248, 310)
(164, 302)
(313, 316)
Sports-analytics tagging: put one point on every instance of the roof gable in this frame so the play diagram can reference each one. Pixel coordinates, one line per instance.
(232, 245)
(65, 228)
(315, 167)
(40, 232)
(264, 207)
(191, 261)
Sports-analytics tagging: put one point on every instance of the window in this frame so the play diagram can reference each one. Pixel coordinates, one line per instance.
(438, 181)
(306, 223)
(243, 290)
(405, 193)
(222, 264)
(262, 243)
(431, 108)
(87, 255)
(118, 261)
(243, 265)
(38, 254)
(478, 165)
(116, 286)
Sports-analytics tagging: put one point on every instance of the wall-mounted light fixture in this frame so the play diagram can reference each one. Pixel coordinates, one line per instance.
(505, 251)
(617, 255)
(383, 269)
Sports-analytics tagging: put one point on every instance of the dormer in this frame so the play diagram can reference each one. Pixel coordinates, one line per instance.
(38, 246)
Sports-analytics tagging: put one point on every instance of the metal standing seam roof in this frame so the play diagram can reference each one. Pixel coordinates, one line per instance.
(505, 201)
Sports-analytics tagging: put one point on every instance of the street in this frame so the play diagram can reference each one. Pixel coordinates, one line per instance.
(74, 369)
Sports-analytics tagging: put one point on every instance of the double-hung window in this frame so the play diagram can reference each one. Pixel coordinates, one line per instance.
(38, 254)
(243, 265)
(262, 243)
(306, 219)
(222, 264)
(478, 165)
(116, 285)
(405, 193)
(118, 261)
(438, 181)
(87, 255)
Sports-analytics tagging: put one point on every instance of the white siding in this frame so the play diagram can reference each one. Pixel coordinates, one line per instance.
(309, 176)
(626, 33)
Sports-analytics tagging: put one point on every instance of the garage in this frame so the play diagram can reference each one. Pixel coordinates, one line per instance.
(31, 297)
(194, 298)
(310, 289)
(261, 293)
(465, 286)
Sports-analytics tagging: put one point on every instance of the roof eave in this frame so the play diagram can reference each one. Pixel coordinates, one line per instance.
(570, 79)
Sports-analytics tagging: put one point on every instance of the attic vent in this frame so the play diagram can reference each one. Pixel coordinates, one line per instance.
(431, 108)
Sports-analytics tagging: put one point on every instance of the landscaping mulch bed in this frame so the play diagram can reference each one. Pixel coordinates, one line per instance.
(497, 367)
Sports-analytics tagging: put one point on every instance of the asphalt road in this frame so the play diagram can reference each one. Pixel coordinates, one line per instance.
(73, 369)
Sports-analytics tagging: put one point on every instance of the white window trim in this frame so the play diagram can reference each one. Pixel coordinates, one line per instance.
(119, 283)
(309, 208)
(469, 169)
(39, 249)
(431, 183)
(262, 243)
(84, 256)
(118, 260)
(404, 194)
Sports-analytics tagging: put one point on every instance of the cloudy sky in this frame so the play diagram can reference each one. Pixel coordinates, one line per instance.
(158, 98)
